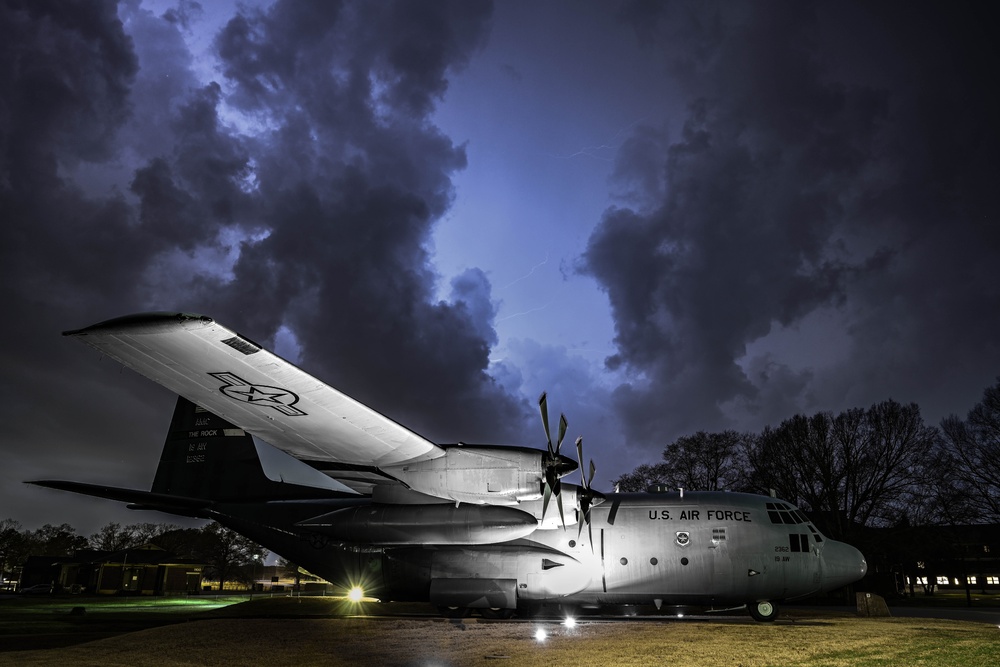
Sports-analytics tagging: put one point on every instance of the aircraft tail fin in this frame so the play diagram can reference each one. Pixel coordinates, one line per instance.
(207, 457)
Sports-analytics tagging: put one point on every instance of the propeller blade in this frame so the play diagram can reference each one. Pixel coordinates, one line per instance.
(586, 496)
(544, 409)
(562, 516)
(579, 457)
(547, 494)
(562, 432)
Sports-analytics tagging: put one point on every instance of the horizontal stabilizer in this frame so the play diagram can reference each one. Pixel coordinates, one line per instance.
(140, 498)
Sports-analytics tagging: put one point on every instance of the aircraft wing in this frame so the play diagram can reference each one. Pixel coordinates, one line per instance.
(233, 377)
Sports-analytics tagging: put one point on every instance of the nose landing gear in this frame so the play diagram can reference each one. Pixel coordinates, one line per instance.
(763, 611)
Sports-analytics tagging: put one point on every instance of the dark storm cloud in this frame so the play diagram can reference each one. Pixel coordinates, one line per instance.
(353, 177)
(832, 159)
(298, 191)
(66, 70)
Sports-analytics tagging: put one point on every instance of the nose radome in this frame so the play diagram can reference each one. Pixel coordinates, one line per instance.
(842, 565)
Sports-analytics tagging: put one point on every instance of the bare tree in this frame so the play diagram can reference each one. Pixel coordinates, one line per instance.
(644, 476)
(13, 545)
(705, 461)
(60, 540)
(114, 537)
(862, 467)
(973, 447)
(228, 554)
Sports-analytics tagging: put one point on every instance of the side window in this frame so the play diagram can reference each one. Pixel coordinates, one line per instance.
(798, 542)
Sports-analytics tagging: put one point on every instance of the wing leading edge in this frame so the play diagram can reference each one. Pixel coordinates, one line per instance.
(233, 377)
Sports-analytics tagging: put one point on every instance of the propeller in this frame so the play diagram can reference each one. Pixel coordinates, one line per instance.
(554, 465)
(586, 496)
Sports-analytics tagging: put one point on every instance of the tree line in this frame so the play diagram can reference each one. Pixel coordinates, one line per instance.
(228, 556)
(875, 467)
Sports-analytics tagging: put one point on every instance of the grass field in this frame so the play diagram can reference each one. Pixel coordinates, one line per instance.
(303, 632)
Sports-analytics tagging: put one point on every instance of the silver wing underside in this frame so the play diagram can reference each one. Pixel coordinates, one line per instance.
(230, 375)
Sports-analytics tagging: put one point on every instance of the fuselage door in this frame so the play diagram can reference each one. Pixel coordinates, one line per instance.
(722, 564)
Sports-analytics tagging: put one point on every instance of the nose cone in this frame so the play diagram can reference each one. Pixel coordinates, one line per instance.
(842, 565)
(564, 465)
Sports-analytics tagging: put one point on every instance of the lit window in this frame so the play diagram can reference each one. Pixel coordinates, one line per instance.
(993, 580)
(942, 581)
(922, 581)
(972, 580)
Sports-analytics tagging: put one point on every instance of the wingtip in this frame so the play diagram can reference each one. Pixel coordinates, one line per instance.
(142, 323)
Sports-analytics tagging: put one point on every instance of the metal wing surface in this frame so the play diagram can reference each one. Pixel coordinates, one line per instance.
(230, 375)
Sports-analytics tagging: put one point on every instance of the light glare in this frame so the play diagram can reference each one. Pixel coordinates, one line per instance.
(540, 634)
(570, 622)
(355, 594)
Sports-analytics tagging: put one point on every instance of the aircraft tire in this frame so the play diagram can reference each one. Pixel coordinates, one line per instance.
(496, 612)
(763, 611)
(454, 612)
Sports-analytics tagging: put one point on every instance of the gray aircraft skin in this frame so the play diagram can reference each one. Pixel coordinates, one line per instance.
(364, 503)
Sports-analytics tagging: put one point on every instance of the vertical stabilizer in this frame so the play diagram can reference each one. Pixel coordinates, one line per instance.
(207, 457)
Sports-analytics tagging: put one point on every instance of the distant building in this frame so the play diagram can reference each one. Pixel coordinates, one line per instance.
(913, 560)
(145, 570)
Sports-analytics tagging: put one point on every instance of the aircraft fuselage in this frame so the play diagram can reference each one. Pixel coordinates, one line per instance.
(699, 548)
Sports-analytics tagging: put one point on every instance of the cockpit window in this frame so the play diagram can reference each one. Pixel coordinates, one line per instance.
(784, 514)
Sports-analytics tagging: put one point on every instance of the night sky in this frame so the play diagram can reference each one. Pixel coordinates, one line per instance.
(671, 216)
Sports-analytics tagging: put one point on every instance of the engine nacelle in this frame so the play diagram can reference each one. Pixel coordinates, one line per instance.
(481, 474)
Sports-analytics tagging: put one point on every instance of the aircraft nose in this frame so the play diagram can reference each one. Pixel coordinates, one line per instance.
(842, 565)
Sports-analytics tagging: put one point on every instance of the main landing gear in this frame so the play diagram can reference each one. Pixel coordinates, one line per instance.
(463, 612)
(763, 611)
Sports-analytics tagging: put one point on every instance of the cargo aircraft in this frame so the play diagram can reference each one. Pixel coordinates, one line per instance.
(271, 452)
